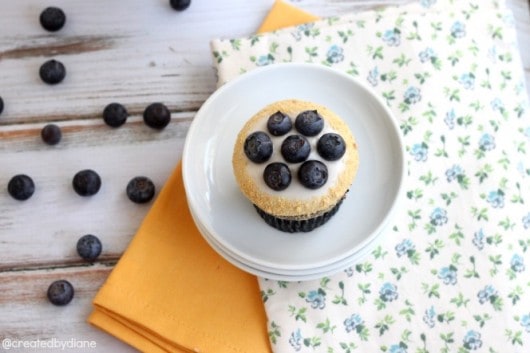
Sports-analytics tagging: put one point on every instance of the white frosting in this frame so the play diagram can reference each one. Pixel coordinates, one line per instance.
(295, 190)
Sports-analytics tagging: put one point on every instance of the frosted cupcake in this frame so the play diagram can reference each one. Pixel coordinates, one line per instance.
(295, 161)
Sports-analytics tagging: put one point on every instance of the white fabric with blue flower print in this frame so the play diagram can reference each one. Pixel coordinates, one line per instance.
(451, 274)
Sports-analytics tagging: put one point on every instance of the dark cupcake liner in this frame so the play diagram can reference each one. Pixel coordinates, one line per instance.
(296, 226)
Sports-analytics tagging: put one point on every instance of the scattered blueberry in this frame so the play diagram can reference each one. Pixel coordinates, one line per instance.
(309, 123)
(51, 134)
(279, 124)
(89, 247)
(140, 189)
(157, 116)
(21, 187)
(331, 146)
(60, 292)
(313, 174)
(258, 147)
(295, 148)
(115, 114)
(277, 176)
(1, 105)
(86, 182)
(52, 72)
(180, 5)
(52, 19)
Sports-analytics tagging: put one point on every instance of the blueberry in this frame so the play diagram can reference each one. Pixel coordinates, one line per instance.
(180, 5)
(52, 19)
(89, 247)
(51, 134)
(295, 148)
(21, 187)
(140, 189)
(157, 116)
(277, 176)
(1, 105)
(86, 182)
(279, 124)
(52, 72)
(60, 292)
(313, 174)
(331, 146)
(258, 147)
(309, 123)
(115, 114)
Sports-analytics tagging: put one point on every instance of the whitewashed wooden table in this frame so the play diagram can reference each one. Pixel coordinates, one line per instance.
(134, 52)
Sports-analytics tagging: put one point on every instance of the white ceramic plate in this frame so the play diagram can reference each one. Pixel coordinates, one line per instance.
(287, 275)
(229, 217)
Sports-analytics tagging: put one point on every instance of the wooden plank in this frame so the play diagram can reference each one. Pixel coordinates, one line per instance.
(27, 315)
(152, 53)
(44, 229)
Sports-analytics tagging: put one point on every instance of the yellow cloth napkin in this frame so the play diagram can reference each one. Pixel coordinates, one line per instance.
(282, 15)
(170, 292)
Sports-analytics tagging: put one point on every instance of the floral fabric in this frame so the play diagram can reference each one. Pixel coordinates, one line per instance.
(452, 272)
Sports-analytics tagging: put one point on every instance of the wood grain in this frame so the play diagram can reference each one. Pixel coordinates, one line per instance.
(135, 54)
(28, 315)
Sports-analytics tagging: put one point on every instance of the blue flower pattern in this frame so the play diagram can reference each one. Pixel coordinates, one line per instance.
(448, 275)
(392, 37)
(517, 263)
(353, 323)
(388, 292)
(458, 29)
(412, 95)
(429, 317)
(454, 256)
(420, 151)
(317, 299)
(335, 54)
(487, 142)
(472, 340)
(438, 217)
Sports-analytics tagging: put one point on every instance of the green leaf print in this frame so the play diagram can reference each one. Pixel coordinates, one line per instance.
(434, 248)
(274, 332)
(514, 337)
(481, 319)
(384, 325)
(312, 342)
(402, 60)
(472, 272)
(431, 290)
(326, 326)
(348, 347)
(365, 291)
(407, 312)
(375, 53)
(460, 301)
(299, 314)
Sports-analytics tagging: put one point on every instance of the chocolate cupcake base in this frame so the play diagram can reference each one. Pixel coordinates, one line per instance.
(298, 225)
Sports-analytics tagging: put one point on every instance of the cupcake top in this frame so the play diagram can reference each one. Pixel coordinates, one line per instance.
(295, 158)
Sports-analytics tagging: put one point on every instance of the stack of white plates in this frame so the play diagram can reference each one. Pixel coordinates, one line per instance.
(229, 222)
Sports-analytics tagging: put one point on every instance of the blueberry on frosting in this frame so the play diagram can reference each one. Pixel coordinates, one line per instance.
(331, 146)
(277, 176)
(258, 147)
(295, 148)
(313, 174)
(309, 123)
(279, 124)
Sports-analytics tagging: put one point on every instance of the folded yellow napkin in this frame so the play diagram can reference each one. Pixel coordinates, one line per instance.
(283, 15)
(170, 292)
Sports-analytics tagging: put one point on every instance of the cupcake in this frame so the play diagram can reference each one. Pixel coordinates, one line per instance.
(295, 161)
